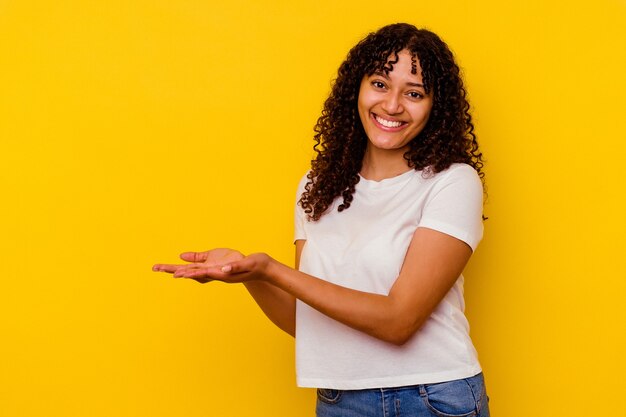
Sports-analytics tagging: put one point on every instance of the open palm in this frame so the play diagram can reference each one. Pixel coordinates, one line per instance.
(205, 265)
(211, 258)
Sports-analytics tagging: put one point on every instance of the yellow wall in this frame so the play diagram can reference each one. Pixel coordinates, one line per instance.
(132, 130)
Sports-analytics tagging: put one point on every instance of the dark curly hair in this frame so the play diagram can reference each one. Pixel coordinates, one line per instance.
(448, 136)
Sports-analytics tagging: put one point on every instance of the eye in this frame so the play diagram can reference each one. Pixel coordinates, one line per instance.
(378, 84)
(415, 95)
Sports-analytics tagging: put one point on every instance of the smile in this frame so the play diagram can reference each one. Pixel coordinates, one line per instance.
(389, 124)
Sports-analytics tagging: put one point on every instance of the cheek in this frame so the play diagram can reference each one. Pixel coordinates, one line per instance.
(422, 114)
(363, 109)
(366, 99)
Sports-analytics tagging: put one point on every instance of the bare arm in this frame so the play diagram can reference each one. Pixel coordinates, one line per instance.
(433, 262)
(278, 305)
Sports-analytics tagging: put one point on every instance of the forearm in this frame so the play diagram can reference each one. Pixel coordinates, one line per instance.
(279, 306)
(433, 263)
(374, 314)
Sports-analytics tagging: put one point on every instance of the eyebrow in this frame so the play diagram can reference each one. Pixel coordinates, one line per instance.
(385, 76)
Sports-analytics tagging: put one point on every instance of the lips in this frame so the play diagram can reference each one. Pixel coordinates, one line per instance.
(386, 124)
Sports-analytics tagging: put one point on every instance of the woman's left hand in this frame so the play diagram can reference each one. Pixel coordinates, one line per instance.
(221, 264)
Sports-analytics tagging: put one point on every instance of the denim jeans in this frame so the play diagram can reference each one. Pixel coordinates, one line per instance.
(459, 398)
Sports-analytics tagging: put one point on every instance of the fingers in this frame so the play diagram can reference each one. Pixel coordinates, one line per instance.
(165, 268)
(172, 268)
(237, 267)
(206, 271)
(199, 272)
(194, 256)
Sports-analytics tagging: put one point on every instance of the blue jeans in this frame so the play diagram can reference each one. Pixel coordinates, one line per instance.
(459, 398)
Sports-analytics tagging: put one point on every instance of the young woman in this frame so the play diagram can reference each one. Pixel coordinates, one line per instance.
(386, 220)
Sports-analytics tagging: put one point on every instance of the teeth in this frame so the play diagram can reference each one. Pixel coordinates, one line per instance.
(387, 123)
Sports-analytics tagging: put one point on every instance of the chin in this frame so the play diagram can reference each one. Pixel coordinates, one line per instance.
(389, 147)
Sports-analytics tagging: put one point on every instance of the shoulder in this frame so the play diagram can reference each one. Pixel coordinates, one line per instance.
(302, 183)
(455, 204)
(458, 184)
(458, 173)
(304, 180)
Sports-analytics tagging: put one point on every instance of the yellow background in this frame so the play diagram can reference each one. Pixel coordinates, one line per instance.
(133, 130)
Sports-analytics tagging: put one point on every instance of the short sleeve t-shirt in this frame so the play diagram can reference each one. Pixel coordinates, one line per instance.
(363, 248)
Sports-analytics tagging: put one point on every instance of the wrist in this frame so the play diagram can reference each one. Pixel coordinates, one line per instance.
(271, 269)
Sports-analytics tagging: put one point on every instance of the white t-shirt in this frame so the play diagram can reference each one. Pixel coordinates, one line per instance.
(363, 248)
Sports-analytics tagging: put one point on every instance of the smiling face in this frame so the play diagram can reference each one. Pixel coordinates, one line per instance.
(394, 107)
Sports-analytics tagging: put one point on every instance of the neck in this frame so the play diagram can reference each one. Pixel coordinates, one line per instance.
(379, 165)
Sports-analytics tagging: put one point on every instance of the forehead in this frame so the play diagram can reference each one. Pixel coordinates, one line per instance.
(403, 63)
(405, 60)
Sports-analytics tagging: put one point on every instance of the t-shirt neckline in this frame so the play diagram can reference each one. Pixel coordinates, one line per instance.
(386, 182)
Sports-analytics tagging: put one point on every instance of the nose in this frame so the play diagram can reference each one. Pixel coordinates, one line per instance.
(392, 104)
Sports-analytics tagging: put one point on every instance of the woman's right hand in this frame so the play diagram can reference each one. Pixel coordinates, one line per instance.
(211, 261)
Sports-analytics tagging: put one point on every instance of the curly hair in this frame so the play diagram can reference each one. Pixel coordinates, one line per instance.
(340, 140)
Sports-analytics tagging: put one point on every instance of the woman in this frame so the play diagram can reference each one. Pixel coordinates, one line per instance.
(386, 220)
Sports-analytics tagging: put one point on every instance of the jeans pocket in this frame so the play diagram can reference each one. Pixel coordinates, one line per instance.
(329, 396)
(450, 399)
